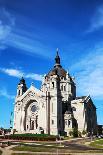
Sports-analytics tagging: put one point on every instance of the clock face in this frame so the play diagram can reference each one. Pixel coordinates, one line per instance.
(33, 108)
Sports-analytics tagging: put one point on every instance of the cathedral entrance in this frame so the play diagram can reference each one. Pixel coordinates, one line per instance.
(34, 123)
(31, 117)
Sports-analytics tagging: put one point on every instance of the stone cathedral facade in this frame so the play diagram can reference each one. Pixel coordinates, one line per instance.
(55, 108)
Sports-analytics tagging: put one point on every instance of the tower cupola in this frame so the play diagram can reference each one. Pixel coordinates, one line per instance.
(22, 88)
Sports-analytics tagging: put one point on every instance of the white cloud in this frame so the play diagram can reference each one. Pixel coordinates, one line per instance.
(97, 20)
(12, 72)
(6, 24)
(27, 44)
(34, 76)
(3, 92)
(24, 41)
(19, 74)
(89, 74)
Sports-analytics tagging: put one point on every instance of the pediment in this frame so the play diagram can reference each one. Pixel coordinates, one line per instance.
(31, 93)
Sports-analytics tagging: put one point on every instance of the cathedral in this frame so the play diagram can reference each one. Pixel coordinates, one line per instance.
(54, 109)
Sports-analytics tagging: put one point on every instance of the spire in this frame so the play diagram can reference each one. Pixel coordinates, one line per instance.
(22, 81)
(32, 84)
(57, 58)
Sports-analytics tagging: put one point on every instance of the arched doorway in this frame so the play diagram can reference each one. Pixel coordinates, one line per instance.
(31, 116)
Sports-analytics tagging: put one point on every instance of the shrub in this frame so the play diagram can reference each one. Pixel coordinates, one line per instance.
(35, 137)
(75, 132)
(84, 132)
(71, 133)
(79, 134)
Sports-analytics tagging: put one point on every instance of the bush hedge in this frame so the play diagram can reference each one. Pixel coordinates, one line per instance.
(33, 137)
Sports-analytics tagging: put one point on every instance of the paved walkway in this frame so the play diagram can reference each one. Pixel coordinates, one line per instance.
(6, 151)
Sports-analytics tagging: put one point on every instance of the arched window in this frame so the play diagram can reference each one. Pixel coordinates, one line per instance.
(65, 122)
(36, 122)
(27, 127)
(32, 125)
(68, 123)
(19, 92)
(62, 78)
(33, 108)
(64, 88)
(53, 84)
(61, 87)
(73, 108)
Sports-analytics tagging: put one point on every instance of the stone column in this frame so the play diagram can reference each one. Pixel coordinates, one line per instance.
(23, 120)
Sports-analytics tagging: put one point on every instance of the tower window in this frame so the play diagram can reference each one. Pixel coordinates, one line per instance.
(68, 123)
(53, 84)
(64, 88)
(52, 121)
(65, 122)
(64, 78)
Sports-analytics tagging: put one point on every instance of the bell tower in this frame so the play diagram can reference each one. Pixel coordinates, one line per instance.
(22, 88)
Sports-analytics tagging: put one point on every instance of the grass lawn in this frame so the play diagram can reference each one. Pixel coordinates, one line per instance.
(33, 149)
(40, 149)
(58, 144)
(48, 149)
(97, 143)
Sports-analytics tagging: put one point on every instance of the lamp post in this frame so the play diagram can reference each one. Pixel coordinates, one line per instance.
(91, 130)
(11, 120)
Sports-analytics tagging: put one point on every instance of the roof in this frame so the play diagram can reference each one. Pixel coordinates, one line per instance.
(58, 70)
(68, 112)
(80, 97)
(84, 98)
(22, 81)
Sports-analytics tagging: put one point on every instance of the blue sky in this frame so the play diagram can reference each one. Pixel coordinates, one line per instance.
(30, 32)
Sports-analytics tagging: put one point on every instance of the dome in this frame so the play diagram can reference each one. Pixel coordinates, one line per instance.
(57, 70)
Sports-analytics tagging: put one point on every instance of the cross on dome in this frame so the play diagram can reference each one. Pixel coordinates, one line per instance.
(57, 58)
